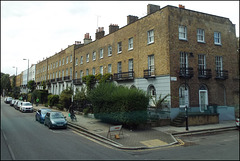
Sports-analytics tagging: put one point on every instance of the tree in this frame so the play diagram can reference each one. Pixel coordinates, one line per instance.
(65, 98)
(5, 83)
(31, 85)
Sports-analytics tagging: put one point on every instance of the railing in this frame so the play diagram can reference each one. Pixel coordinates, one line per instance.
(59, 79)
(149, 73)
(221, 74)
(124, 76)
(186, 72)
(204, 73)
(77, 81)
(67, 78)
(53, 80)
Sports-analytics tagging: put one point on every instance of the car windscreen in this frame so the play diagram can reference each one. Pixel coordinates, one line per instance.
(26, 104)
(57, 115)
(44, 111)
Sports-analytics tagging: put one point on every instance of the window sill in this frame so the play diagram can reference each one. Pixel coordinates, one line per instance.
(119, 52)
(149, 43)
(130, 49)
(109, 55)
(217, 44)
(201, 42)
(183, 39)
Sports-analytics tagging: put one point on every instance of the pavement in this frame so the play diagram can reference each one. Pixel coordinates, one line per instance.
(136, 139)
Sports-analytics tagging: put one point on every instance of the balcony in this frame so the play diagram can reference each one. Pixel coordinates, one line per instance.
(149, 73)
(67, 78)
(53, 80)
(186, 72)
(77, 81)
(123, 76)
(221, 74)
(60, 80)
(204, 73)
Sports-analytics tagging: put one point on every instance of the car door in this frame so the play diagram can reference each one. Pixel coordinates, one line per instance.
(47, 118)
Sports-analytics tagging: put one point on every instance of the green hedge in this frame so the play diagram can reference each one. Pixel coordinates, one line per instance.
(53, 100)
(119, 105)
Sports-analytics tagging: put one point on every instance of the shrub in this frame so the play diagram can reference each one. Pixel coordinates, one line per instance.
(66, 97)
(117, 104)
(53, 100)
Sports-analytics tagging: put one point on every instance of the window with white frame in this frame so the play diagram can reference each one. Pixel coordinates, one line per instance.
(130, 67)
(183, 60)
(52, 75)
(119, 67)
(200, 35)
(183, 96)
(76, 61)
(71, 58)
(101, 53)
(109, 68)
(59, 62)
(219, 65)
(76, 75)
(53, 65)
(109, 50)
(81, 74)
(119, 47)
(71, 73)
(150, 36)
(151, 67)
(87, 58)
(182, 32)
(67, 72)
(94, 56)
(87, 72)
(62, 73)
(56, 64)
(56, 74)
(67, 60)
(63, 62)
(217, 38)
(130, 43)
(202, 64)
(48, 68)
(101, 70)
(59, 74)
(81, 60)
(93, 71)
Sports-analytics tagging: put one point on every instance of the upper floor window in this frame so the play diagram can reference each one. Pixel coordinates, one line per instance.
(94, 56)
(67, 72)
(87, 72)
(130, 43)
(150, 36)
(182, 32)
(200, 35)
(109, 50)
(81, 60)
(81, 74)
(101, 70)
(101, 53)
(53, 65)
(76, 75)
(76, 61)
(87, 57)
(56, 64)
(217, 38)
(219, 64)
(59, 62)
(71, 58)
(67, 60)
(93, 71)
(119, 47)
(63, 62)
(109, 68)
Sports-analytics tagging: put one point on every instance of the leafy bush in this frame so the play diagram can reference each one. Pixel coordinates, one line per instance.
(80, 99)
(65, 98)
(119, 105)
(53, 100)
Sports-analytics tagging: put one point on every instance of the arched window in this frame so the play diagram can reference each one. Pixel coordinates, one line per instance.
(183, 96)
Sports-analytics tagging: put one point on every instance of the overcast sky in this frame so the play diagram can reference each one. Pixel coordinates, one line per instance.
(38, 29)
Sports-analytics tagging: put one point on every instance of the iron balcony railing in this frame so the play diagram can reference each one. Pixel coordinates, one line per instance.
(186, 72)
(221, 74)
(124, 76)
(149, 73)
(59, 79)
(204, 73)
(53, 80)
(67, 78)
(77, 81)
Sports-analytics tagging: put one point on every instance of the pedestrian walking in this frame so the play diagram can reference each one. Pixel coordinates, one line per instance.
(37, 101)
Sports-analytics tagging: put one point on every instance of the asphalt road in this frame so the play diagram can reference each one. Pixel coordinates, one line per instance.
(22, 138)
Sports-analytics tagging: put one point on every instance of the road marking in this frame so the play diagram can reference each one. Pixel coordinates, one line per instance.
(9, 147)
(153, 143)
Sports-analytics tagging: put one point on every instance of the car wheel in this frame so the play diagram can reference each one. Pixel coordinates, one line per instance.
(49, 126)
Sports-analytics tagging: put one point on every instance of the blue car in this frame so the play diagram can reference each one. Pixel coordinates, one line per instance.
(40, 114)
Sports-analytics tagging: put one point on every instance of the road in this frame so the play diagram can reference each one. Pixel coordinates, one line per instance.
(22, 138)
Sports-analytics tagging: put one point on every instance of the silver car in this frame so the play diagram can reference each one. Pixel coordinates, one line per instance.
(55, 120)
(26, 107)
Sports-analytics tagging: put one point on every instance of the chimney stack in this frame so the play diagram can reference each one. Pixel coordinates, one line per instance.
(131, 19)
(87, 39)
(113, 28)
(152, 8)
(99, 33)
(181, 6)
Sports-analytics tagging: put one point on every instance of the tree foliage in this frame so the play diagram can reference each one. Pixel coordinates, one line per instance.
(65, 98)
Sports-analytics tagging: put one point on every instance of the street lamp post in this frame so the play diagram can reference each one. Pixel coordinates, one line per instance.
(27, 71)
(186, 99)
(16, 69)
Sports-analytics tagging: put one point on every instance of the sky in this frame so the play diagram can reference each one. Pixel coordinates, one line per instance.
(35, 30)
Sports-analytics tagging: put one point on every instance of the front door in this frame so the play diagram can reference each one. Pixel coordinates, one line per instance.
(203, 100)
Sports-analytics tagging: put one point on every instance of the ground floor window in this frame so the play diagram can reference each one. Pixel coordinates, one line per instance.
(183, 96)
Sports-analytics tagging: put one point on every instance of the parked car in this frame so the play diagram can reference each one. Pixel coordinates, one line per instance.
(8, 100)
(237, 123)
(15, 104)
(26, 107)
(12, 102)
(40, 114)
(18, 104)
(55, 120)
